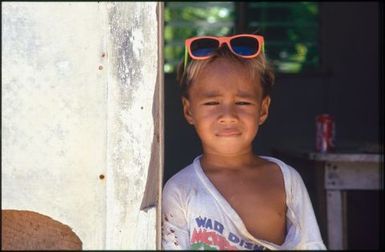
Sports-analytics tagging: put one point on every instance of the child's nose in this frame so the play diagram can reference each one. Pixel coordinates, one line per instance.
(228, 114)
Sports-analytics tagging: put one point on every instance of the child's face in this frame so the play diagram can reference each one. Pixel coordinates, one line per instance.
(226, 108)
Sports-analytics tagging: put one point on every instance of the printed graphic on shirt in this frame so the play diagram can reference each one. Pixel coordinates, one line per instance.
(210, 234)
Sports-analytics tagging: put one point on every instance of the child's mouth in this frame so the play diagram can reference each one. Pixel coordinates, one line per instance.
(228, 132)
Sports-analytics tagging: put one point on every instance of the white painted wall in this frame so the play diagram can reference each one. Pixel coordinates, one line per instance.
(78, 90)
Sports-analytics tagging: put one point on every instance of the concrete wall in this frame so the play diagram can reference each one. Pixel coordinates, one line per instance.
(81, 118)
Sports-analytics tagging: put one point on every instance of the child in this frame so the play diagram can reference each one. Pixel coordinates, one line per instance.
(230, 198)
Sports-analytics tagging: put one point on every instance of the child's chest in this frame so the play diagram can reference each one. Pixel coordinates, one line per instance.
(259, 202)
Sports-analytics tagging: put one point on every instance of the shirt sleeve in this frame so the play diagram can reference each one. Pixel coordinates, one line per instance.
(175, 233)
(303, 209)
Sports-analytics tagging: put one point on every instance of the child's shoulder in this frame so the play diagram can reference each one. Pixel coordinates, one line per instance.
(182, 175)
(182, 178)
(289, 173)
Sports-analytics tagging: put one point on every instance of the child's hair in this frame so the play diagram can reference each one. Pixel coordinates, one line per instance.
(255, 66)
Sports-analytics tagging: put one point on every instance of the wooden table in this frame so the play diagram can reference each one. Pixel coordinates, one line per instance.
(341, 172)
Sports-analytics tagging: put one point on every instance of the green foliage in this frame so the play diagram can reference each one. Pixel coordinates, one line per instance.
(290, 30)
(291, 33)
(187, 19)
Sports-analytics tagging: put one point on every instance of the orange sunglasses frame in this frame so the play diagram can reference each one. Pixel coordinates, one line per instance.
(223, 40)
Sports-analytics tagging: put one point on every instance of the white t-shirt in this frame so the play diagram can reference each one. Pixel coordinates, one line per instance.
(196, 216)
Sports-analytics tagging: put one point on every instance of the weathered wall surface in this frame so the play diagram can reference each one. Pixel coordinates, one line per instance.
(78, 88)
(133, 65)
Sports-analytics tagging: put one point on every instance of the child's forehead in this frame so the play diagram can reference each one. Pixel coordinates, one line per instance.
(220, 85)
(220, 91)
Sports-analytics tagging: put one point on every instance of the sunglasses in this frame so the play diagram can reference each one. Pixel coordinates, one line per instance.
(243, 45)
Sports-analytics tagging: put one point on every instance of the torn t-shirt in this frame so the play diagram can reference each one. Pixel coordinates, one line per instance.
(196, 216)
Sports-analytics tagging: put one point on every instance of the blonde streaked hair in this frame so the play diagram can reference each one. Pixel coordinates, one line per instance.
(257, 67)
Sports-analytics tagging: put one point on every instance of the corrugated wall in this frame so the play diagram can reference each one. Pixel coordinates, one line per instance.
(82, 117)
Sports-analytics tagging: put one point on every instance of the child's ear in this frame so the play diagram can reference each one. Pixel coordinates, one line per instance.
(187, 110)
(264, 110)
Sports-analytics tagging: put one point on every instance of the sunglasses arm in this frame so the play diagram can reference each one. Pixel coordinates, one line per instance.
(185, 58)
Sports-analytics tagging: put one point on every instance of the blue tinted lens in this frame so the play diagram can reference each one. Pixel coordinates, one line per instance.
(245, 46)
(244, 50)
(202, 52)
(203, 47)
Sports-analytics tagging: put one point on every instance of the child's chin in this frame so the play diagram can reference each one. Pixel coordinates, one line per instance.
(230, 149)
(230, 141)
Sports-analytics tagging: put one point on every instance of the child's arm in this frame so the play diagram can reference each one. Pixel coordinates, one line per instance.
(175, 233)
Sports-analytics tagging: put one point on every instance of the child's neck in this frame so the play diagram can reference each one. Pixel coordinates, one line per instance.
(214, 161)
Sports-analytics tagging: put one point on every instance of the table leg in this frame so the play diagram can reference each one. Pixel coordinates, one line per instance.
(334, 219)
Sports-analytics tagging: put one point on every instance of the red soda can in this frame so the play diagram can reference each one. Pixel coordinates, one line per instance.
(325, 137)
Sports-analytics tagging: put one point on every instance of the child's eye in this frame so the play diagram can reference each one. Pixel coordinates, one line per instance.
(243, 103)
(211, 103)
